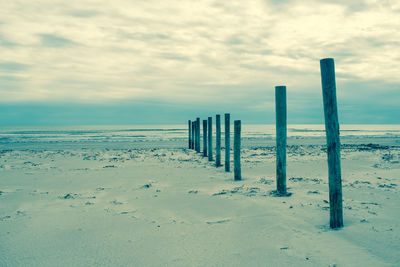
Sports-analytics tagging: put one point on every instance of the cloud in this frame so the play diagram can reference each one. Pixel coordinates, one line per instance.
(82, 13)
(12, 67)
(51, 40)
(211, 52)
(6, 43)
(13, 87)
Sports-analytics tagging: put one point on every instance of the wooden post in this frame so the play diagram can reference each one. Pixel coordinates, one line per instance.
(210, 148)
(193, 130)
(198, 135)
(195, 135)
(281, 134)
(205, 138)
(236, 151)
(190, 133)
(227, 142)
(333, 141)
(218, 141)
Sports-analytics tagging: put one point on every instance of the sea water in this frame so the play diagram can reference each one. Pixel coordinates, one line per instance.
(134, 133)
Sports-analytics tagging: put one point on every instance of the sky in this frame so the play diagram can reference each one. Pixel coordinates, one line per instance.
(163, 62)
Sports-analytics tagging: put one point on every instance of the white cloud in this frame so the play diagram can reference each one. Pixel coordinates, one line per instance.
(192, 51)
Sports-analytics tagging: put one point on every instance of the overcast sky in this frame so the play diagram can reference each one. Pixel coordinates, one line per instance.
(127, 62)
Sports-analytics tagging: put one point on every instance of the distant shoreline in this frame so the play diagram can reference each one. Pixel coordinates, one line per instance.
(181, 143)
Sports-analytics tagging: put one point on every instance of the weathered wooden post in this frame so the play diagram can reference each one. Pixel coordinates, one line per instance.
(281, 134)
(236, 151)
(190, 133)
(218, 141)
(210, 148)
(227, 142)
(333, 141)
(205, 138)
(194, 134)
(198, 135)
(193, 130)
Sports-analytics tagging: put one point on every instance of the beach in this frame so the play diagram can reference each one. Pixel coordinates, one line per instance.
(142, 198)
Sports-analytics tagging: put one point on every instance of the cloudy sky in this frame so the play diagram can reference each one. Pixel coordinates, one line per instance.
(127, 62)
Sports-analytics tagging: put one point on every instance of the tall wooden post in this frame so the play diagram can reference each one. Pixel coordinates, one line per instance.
(198, 135)
(190, 133)
(236, 151)
(193, 131)
(205, 138)
(227, 142)
(333, 141)
(218, 141)
(281, 134)
(210, 147)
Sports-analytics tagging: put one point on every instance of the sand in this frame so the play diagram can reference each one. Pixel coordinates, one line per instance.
(160, 204)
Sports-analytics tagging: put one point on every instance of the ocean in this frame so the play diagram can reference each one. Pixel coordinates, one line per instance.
(134, 133)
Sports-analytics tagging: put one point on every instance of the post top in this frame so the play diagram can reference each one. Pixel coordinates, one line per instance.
(280, 87)
(326, 59)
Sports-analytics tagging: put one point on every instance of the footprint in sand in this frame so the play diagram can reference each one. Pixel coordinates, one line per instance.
(115, 202)
(20, 213)
(69, 196)
(387, 185)
(265, 181)
(218, 221)
(4, 218)
(146, 186)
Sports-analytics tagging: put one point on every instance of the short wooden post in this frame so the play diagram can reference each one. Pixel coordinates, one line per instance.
(190, 133)
(281, 135)
(198, 135)
(236, 151)
(218, 141)
(205, 138)
(210, 147)
(193, 131)
(333, 141)
(227, 142)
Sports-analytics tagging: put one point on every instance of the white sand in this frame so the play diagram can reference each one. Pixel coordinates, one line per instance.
(170, 207)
